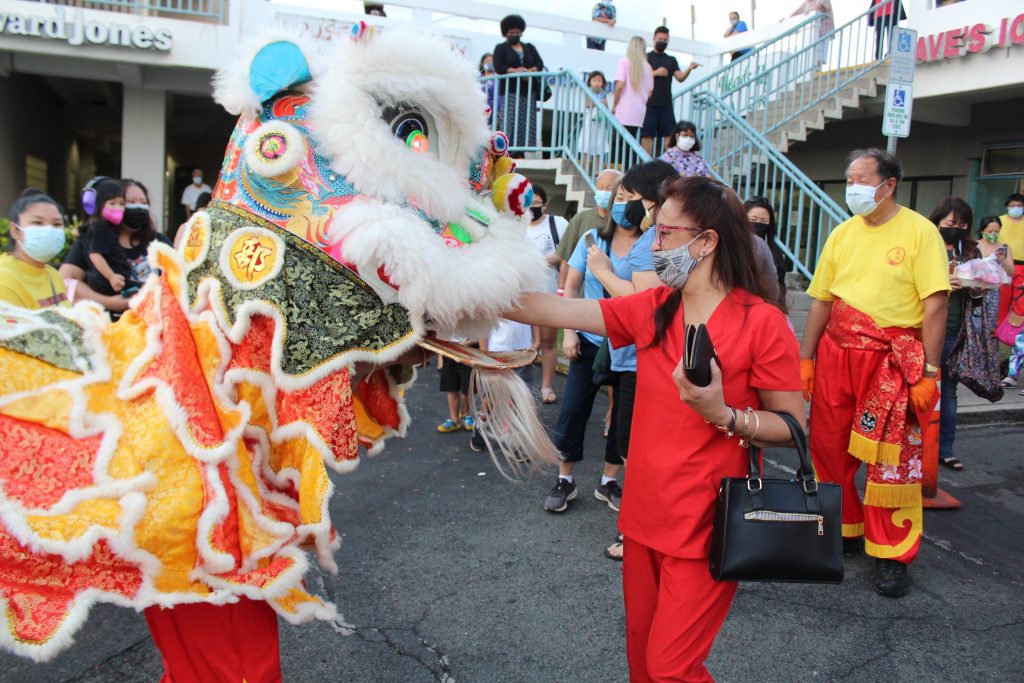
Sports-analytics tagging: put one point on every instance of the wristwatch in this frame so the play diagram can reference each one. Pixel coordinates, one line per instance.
(930, 370)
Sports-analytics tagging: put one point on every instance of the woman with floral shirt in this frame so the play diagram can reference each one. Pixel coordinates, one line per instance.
(683, 151)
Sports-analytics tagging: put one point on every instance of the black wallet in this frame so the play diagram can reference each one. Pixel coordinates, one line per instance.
(697, 354)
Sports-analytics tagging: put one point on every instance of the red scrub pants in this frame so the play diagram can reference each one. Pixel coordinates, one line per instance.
(202, 643)
(673, 612)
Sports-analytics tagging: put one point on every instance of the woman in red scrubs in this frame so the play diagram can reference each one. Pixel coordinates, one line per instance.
(681, 447)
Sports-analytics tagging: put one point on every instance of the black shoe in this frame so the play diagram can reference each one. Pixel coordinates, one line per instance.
(476, 442)
(853, 546)
(610, 493)
(892, 578)
(559, 497)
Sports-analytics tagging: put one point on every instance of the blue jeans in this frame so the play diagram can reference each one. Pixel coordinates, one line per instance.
(577, 404)
(947, 405)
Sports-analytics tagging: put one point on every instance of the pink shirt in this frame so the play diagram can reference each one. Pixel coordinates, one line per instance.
(632, 104)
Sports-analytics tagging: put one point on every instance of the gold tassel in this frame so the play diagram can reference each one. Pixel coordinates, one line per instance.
(863, 448)
(892, 495)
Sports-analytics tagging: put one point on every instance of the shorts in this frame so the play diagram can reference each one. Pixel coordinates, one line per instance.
(659, 122)
(455, 377)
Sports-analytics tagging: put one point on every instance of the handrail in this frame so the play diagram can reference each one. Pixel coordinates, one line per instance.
(745, 160)
(589, 146)
(781, 43)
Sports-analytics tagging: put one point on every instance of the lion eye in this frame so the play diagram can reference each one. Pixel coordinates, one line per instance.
(409, 125)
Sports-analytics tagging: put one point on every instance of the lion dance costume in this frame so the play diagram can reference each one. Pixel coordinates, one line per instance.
(175, 461)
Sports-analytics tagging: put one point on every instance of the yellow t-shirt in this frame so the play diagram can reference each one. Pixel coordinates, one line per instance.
(883, 271)
(1012, 234)
(24, 285)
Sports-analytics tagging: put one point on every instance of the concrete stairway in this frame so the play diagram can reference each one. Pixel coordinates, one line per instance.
(561, 172)
(805, 111)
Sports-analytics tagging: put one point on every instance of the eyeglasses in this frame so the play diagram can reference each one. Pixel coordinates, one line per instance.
(662, 231)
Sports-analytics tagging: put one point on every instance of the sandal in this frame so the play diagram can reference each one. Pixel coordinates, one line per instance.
(547, 395)
(614, 551)
(1009, 382)
(952, 463)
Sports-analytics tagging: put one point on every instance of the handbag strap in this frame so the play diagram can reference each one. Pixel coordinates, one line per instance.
(805, 473)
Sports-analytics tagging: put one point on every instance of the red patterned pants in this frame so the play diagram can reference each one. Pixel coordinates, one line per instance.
(889, 518)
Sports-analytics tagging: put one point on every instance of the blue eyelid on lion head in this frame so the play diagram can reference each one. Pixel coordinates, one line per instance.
(276, 67)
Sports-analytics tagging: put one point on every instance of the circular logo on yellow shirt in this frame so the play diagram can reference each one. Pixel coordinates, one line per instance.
(895, 256)
(251, 256)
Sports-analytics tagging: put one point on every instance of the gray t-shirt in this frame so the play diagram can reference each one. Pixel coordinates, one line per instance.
(763, 253)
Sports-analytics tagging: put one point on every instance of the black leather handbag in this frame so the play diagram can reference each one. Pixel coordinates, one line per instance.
(778, 529)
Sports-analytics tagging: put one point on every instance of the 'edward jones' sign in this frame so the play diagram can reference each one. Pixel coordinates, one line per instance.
(970, 39)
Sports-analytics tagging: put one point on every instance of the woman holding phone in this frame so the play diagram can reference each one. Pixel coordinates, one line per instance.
(686, 438)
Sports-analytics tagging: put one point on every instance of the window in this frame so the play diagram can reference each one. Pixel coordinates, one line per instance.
(35, 172)
(1002, 161)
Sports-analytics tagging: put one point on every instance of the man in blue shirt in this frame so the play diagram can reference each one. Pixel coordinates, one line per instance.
(603, 13)
(736, 26)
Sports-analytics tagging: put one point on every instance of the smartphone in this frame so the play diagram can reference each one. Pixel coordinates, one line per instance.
(589, 239)
(1002, 249)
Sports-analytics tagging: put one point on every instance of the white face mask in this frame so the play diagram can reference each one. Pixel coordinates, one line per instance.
(197, 180)
(861, 198)
(685, 143)
(42, 242)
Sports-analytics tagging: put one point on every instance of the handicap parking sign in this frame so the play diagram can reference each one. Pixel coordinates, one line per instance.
(904, 43)
(899, 98)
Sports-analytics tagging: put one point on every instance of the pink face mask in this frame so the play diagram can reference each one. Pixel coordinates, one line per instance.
(113, 214)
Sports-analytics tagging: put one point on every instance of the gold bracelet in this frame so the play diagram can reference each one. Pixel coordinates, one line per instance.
(757, 428)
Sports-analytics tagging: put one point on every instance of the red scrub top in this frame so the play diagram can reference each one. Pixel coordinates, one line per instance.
(676, 461)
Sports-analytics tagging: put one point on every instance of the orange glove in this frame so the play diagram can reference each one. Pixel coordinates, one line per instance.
(807, 377)
(922, 393)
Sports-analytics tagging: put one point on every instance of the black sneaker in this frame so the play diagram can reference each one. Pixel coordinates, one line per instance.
(559, 497)
(892, 578)
(476, 442)
(610, 493)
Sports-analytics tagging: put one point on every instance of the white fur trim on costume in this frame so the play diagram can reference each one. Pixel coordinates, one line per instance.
(280, 162)
(442, 284)
(345, 114)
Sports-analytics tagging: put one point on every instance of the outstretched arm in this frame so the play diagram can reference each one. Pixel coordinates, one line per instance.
(548, 310)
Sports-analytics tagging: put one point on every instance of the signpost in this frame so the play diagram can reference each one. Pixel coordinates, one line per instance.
(899, 93)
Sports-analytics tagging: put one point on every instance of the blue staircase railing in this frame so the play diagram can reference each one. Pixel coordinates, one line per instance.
(742, 158)
(582, 131)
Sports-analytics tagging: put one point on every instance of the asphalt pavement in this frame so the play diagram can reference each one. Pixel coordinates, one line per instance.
(448, 572)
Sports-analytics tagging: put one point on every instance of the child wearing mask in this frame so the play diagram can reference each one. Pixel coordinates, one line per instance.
(594, 143)
(111, 271)
(684, 151)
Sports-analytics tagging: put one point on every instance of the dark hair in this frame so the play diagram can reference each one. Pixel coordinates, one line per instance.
(480, 65)
(203, 200)
(680, 127)
(778, 257)
(763, 203)
(988, 220)
(149, 234)
(960, 210)
(661, 29)
(607, 231)
(512, 21)
(595, 72)
(646, 179)
(28, 197)
(1015, 197)
(714, 206)
(539, 191)
(888, 165)
(106, 189)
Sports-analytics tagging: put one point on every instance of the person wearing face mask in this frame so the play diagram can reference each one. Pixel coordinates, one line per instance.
(1012, 235)
(138, 230)
(594, 143)
(603, 13)
(110, 270)
(37, 236)
(762, 221)
(520, 95)
(659, 116)
(545, 232)
(588, 219)
(684, 437)
(989, 232)
(192, 192)
(490, 86)
(683, 151)
(953, 218)
(870, 357)
(736, 27)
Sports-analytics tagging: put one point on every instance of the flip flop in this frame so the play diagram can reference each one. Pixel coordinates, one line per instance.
(614, 551)
(547, 395)
(952, 463)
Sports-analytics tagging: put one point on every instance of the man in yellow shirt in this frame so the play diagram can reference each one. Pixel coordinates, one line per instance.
(875, 333)
(1012, 234)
